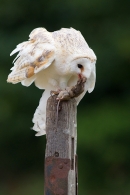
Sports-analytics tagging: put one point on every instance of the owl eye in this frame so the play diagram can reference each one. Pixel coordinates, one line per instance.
(80, 66)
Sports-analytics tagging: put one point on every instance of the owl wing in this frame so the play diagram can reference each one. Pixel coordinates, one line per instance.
(34, 55)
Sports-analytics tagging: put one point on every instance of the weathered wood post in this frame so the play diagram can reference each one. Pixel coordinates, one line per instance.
(60, 157)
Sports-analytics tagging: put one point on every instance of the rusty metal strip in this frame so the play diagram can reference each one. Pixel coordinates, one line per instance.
(56, 176)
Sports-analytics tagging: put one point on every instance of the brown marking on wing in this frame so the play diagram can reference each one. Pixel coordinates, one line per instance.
(43, 59)
(39, 64)
(32, 40)
(40, 61)
(14, 79)
(48, 54)
(30, 71)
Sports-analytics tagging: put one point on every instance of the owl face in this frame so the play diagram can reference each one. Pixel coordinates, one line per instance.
(82, 67)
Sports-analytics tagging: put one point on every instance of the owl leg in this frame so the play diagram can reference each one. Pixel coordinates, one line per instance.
(61, 88)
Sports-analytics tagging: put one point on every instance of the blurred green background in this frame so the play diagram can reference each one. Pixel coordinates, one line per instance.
(103, 115)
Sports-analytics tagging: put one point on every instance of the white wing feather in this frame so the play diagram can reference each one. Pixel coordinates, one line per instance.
(34, 55)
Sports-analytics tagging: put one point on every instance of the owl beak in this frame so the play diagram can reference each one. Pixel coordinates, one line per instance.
(83, 78)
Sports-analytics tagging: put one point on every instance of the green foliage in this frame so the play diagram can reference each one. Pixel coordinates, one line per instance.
(103, 116)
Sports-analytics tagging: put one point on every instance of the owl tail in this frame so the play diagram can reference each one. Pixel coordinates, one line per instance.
(39, 118)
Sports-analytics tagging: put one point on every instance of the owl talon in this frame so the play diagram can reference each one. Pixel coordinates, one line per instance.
(54, 92)
(63, 95)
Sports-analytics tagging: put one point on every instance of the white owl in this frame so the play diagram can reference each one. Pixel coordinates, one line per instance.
(53, 60)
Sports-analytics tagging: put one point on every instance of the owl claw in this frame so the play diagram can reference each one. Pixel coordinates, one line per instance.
(63, 95)
(54, 93)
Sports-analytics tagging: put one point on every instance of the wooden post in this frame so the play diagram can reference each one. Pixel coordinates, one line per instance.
(60, 157)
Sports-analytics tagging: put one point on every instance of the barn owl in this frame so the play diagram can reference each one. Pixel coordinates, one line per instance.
(53, 61)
